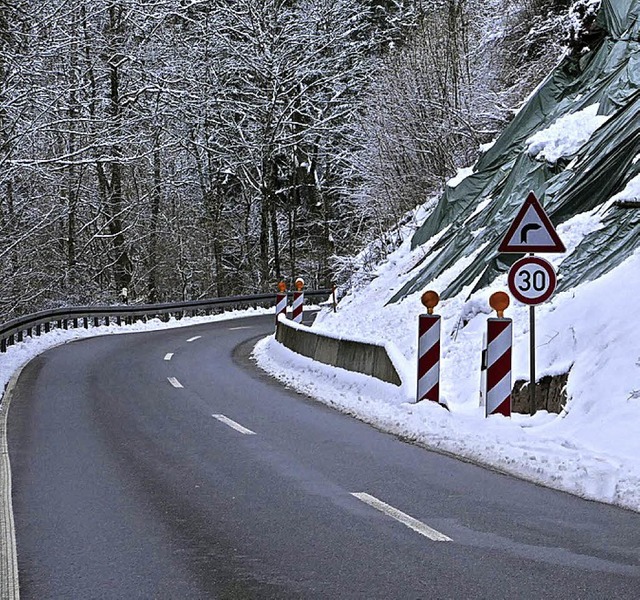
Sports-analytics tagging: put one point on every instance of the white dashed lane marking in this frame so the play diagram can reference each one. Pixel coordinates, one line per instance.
(234, 425)
(243, 327)
(194, 338)
(168, 356)
(404, 518)
(174, 382)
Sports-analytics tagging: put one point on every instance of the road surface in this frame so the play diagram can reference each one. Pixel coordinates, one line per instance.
(165, 465)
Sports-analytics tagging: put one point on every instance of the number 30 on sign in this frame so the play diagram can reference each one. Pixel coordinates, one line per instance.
(532, 280)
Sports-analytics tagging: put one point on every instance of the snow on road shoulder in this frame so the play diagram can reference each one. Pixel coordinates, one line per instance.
(591, 449)
(21, 353)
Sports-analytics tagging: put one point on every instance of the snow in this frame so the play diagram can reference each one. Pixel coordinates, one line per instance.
(459, 176)
(566, 135)
(631, 192)
(486, 147)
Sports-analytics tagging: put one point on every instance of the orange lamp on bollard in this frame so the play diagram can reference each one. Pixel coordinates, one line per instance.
(281, 300)
(430, 299)
(499, 301)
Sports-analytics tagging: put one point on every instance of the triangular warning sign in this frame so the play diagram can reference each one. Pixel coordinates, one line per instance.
(531, 231)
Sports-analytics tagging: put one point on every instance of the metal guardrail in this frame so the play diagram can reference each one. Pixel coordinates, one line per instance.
(62, 318)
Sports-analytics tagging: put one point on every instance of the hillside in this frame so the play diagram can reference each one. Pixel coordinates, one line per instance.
(576, 144)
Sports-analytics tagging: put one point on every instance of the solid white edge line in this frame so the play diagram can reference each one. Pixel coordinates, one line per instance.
(174, 382)
(9, 582)
(168, 356)
(233, 425)
(194, 338)
(404, 518)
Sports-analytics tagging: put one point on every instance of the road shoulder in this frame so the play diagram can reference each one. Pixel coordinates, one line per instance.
(9, 584)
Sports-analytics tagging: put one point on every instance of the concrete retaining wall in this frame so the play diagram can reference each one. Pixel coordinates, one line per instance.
(369, 359)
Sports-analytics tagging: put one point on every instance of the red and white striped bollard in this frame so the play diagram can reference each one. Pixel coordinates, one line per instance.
(499, 344)
(429, 351)
(281, 300)
(298, 301)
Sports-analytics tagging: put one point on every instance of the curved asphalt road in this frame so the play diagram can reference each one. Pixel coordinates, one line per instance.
(127, 487)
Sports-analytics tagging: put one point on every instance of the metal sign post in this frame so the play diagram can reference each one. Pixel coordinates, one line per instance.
(532, 360)
(532, 280)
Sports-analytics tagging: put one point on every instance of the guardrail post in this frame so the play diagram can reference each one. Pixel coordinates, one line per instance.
(38, 329)
(499, 343)
(85, 322)
(75, 322)
(47, 327)
(106, 320)
(118, 321)
(20, 336)
(96, 322)
(3, 345)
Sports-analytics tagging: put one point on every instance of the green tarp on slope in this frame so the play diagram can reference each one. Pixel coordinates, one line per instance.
(608, 75)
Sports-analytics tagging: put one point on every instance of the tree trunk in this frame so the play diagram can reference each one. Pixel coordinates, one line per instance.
(276, 242)
(152, 264)
(122, 266)
(264, 241)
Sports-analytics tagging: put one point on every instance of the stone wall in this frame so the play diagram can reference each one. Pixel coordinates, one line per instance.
(551, 394)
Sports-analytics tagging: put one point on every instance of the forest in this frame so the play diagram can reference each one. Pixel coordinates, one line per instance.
(185, 149)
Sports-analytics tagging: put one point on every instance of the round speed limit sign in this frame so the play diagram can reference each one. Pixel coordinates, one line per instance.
(532, 280)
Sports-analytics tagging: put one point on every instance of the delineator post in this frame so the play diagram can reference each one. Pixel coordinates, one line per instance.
(429, 350)
(298, 301)
(281, 300)
(499, 345)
